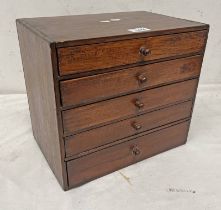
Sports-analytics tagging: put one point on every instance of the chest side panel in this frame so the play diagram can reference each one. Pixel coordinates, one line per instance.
(38, 72)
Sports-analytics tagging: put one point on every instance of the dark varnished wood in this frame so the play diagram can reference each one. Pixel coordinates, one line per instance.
(79, 155)
(98, 114)
(99, 87)
(113, 158)
(118, 68)
(105, 55)
(86, 29)
(102, 97)
(37, 65)
(112, 132)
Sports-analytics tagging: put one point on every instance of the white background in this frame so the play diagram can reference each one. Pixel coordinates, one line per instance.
(185, 178)
(11, 73)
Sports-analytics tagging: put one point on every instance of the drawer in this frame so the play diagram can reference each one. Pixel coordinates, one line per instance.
(97, 114)
(99, 87)
(116, 157)
(105, 55)
(96, 137)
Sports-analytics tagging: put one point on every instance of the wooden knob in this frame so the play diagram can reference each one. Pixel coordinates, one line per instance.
(141, 78)
(144, 51)
(136, 151)
(139, 104)
(136, 126)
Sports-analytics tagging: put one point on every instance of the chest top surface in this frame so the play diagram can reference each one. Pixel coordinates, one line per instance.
(96, 26)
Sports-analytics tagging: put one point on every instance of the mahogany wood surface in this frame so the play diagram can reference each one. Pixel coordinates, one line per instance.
(102, 86)
(86, 29)
(38, 72)
(113, 158)
(105, 112)
(112, 132)
(101, 96)
(105, 55)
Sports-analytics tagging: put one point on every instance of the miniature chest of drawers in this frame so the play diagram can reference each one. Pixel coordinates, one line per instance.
(109, 90)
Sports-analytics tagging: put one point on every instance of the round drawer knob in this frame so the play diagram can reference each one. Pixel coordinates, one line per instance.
(135, 151)
(136, 126)
(144, 51)
(141, 78)
(139, 104)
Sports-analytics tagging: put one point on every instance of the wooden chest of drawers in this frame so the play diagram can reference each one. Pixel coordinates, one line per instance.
(108, 90)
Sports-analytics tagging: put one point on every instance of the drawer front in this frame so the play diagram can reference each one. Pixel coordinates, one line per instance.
(96, 137)
(113, 158)
(105, 55)
(102, 86)
(105, 112)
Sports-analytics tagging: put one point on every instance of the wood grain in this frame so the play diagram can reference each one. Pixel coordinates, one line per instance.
(104, 135)
(97, 114)
(95, 104)
(87, 29)
(105, 55)
(38, 72)
(113, 158)
(84, 90)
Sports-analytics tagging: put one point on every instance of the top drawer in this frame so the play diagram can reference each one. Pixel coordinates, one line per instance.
(105, 55)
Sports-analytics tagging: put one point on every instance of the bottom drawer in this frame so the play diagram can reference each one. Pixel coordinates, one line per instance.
(102, 162)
